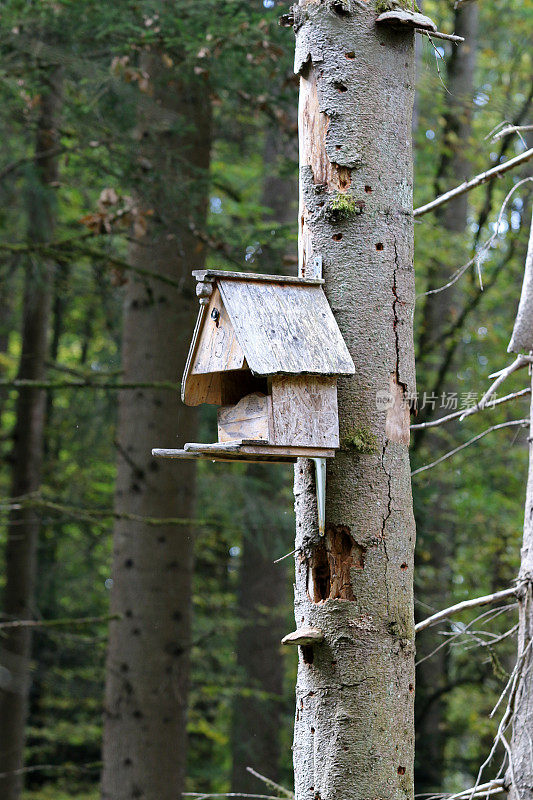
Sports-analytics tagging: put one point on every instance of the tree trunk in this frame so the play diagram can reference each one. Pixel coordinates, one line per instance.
(436, 532)
(353, 734)
(262, 590)
(144, 747)
(519, 776)
(27, 454)
(262, 584)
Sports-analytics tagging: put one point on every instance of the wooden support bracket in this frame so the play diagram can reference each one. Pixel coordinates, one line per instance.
(320, 482)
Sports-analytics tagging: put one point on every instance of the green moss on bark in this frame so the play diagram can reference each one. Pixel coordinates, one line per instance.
(382, 6)
(361, 440)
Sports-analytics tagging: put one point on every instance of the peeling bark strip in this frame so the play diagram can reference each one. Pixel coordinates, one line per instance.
(353, 735)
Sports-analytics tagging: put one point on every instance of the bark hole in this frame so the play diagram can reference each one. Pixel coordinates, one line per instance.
(331, 565)
(368, 189)
(337, 237)
(403, 566)
(340, 8)
(351, 54)
(308, 653)
(340, 87)
(401, 770)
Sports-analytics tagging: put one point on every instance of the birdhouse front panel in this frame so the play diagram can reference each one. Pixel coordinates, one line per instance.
(304, 411)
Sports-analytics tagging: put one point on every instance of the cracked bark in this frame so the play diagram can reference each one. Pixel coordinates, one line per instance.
(353, 734)
(27, 455)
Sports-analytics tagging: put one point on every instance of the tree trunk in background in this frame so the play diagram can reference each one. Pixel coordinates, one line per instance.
(435, 533)
(263, 584)
(354, 734)
(144, 747)
(262, 590)
(27, 454)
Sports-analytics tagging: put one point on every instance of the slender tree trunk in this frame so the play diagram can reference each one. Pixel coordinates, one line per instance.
(353, 734)
(144, 747)
(519, 776)
(27, 454)
(262, 590)
(436, 532)
(262, 584)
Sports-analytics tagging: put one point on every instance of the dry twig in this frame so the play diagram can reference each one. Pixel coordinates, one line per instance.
(483, 177)
(450, 453)
(458, 607)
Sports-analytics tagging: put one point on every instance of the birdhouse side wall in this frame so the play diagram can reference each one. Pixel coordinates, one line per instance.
(304, 411)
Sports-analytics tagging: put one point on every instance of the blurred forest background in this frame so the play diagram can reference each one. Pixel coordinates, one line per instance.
(154, 137)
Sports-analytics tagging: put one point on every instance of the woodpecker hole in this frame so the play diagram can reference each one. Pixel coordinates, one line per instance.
(379, 246)
(337, 237)
(331, 565)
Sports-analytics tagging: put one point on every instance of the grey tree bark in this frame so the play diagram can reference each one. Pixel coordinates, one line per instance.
(256, 721)
(27, 453)
(437, 540)
(144, 747)
(519, 778)
(353, 735)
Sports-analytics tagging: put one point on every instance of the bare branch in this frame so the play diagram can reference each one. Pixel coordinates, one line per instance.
(512, 129)
(473, 410)
(483, 177)
(491, 787)
(56, 623)
(458, 607)
(501, 376)
(512, 423)
(449, 37)
(88, 384)
(482, 250)
(269, 782)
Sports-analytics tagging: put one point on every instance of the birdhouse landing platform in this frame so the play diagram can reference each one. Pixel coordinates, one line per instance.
(267, 350)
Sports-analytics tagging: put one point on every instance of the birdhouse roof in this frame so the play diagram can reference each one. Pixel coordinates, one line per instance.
(281, 324)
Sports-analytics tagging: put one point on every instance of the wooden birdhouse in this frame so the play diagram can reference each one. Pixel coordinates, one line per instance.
(266, 350)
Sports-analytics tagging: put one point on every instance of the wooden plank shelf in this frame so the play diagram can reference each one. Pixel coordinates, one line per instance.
(244, 450)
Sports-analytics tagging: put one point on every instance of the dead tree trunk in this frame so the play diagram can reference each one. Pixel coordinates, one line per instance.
(519, 776)
(353, 734)
(27, 454)
(144, 746)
